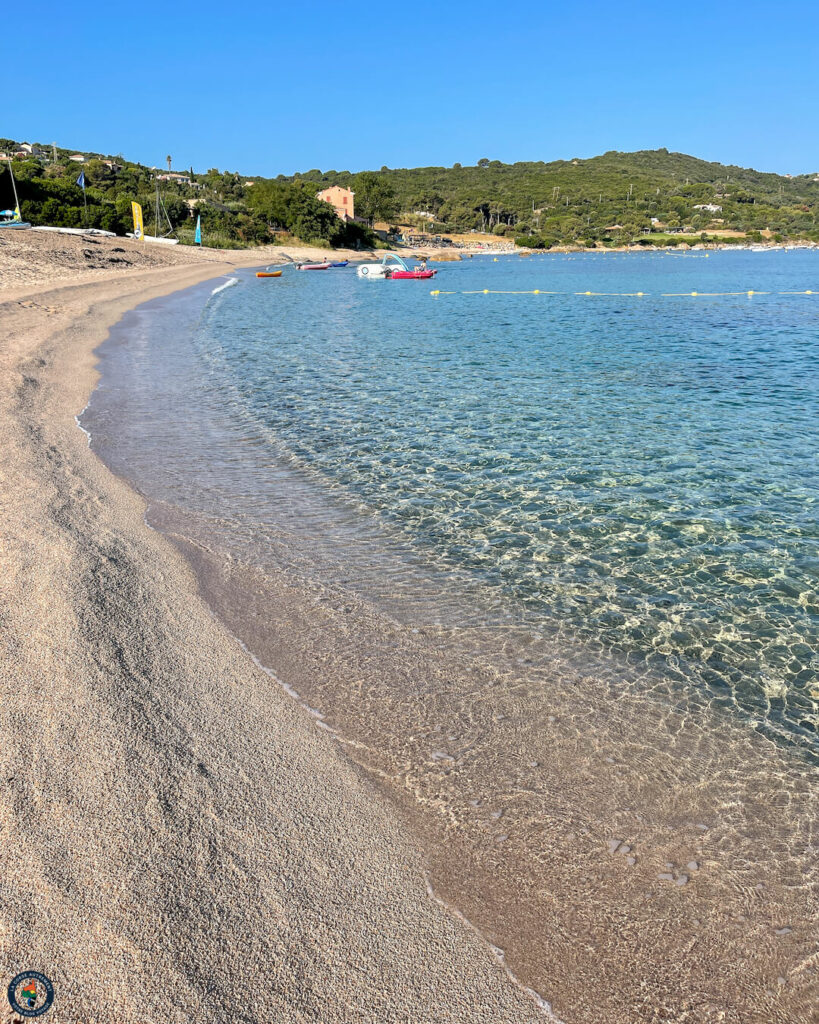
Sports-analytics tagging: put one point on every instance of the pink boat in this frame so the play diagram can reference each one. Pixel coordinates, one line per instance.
(313, 266)
(417, 275)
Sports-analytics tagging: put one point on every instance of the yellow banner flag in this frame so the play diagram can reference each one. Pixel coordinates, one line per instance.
(136, 209)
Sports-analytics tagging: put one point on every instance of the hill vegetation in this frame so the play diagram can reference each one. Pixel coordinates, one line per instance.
(233, 213)
(650, 196)
(616, 196)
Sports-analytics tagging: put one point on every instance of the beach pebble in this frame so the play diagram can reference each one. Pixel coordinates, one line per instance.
(496, 814)
(784, 931)
(501, 839)
(631, 861)
(624, 849)
(666, 876)
(613, 844)
(692, 865)
(702, 828)
(682, 879)
(534, 764)
(475, 803)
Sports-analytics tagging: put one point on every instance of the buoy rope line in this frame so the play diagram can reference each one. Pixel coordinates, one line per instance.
(622, 295)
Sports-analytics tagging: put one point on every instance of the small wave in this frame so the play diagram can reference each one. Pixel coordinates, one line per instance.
(227, 284)
(78, 421)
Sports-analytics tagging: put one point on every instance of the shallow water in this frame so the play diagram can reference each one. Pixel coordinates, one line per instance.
(547, 564)
(638, 474)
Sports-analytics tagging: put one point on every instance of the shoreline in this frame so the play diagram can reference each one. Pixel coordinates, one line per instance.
(169, 814)
(578, 922)
(450, 872)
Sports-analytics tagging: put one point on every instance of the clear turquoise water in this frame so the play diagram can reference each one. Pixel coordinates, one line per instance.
(637, 474)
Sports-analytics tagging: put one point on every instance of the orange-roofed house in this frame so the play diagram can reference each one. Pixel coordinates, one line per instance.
(342, 200)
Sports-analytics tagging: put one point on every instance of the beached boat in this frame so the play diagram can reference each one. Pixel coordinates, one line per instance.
(156, 237)
(13, 218)
(392, 266)
(313, 266)
(268, 273)
(98, 232)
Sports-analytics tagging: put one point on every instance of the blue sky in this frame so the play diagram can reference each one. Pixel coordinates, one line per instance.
(272, 88)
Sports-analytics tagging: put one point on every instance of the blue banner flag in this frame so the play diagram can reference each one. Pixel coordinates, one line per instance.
(81, 180)
(198, 236)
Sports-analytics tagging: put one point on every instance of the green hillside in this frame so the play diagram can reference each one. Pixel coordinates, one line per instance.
(230, 213)
(608, 199)
(576, 200)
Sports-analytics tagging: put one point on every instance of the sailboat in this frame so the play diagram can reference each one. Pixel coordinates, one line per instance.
(156, 237)
(13, 218)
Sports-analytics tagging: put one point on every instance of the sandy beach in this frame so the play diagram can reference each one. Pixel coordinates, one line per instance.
(182, 840)
(179, 840)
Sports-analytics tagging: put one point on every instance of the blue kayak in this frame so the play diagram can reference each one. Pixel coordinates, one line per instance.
(340, 263)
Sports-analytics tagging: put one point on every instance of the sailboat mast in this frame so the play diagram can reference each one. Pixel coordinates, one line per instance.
(13, 185)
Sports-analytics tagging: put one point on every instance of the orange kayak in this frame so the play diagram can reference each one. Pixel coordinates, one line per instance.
(268, 273)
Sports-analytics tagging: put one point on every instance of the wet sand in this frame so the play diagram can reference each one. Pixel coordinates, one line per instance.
(179, 840)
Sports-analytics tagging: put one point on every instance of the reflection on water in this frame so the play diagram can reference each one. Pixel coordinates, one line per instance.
(540, 560)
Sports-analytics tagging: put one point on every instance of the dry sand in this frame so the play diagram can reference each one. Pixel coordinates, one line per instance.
(179, 840)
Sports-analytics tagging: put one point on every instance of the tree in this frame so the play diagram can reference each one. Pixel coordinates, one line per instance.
(375, 197)
(168, 158)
